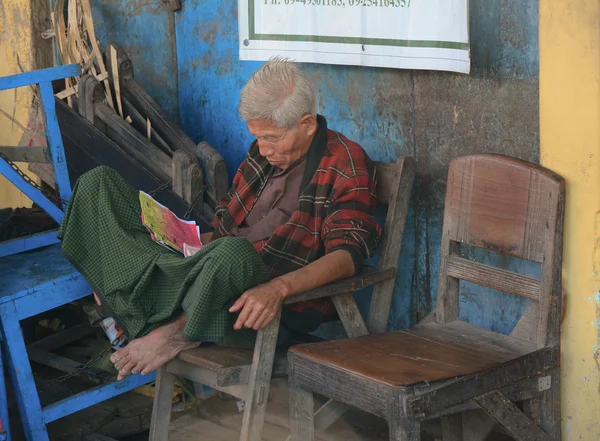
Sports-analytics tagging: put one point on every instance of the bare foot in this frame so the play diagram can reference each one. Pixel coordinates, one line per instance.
(148, 353)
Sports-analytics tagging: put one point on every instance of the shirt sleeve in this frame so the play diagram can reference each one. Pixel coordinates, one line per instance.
(350, 223)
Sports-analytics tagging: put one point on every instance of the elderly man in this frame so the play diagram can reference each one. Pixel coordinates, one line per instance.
(304, 198)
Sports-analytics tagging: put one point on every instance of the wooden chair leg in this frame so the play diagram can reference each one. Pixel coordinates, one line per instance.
(404, 429)
(452, 429)
(260, 381)
(302, 408)
(550, 407)
(161, 409)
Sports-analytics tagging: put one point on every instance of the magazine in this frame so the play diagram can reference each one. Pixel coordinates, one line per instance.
(165, 228)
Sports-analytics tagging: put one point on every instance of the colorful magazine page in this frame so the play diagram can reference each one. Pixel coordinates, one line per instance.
(166, 228)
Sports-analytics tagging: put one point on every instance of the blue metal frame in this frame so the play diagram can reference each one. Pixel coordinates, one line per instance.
(26, 298)
(44, 79)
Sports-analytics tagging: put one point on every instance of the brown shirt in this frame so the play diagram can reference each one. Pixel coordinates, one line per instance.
(276, 203)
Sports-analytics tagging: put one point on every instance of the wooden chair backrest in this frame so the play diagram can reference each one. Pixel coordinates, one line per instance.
(394, 187)
(512, 207)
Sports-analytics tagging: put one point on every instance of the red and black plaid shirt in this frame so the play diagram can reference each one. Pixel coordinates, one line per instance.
(335, 208)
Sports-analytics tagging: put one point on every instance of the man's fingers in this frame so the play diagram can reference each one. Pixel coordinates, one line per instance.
(253, 317)
(98, 302)
(265, 318)
(238, 303)
(243, 316)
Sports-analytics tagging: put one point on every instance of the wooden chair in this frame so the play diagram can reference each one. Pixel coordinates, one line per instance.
(246, 374)
(445, 366)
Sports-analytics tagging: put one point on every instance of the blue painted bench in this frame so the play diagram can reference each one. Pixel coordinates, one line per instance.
(35, 278)
(31, 283)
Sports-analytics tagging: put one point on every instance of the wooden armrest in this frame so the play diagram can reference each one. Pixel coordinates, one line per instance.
(368, 277)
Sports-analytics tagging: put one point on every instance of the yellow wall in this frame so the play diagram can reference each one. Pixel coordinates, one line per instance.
(570, 145)
(15, 37)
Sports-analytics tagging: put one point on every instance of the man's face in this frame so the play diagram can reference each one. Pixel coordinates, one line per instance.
(280, 146)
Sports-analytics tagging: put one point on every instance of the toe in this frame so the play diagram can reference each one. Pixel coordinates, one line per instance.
(121, 353)
(119, 365)
(128, 367)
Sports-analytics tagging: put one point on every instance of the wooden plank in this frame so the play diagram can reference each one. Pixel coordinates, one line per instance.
(446, 309)
(215, 170)
(501, 204)
(401, 426)
(495, 278)
(116, 80)
(134, 143)
(344, 386)
(367, 278)
(220, 367)
(525, 389)
(67, 365)
(550, 307)
(62, 338)
(399, 185)
(147, 106)
(259, 382)
(187, 179)
(510, 417)
(427, 353)
(474, 385)
(89, 24)
(350, 315)
(549, 406)
(140, 123)
(328, 414)
(302, 416)
(161, 410)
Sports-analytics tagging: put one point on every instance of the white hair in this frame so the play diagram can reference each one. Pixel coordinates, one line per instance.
(278, 92)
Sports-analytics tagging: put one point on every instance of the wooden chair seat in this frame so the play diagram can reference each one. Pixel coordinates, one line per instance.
(424, 354)
(218, 366)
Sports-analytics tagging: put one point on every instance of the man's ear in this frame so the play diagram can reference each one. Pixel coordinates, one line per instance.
(309, 123)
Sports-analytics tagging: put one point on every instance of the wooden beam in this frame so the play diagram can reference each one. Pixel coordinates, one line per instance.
(366, 278)
(495, 278)
(480, 383)
(510, 417)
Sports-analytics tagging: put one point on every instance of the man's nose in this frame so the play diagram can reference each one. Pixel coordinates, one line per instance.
(264, 149)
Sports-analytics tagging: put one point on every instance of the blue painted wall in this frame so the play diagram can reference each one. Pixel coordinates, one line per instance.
(146, 30)
(433, 116)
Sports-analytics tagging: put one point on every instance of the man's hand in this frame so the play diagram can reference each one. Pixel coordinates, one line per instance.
(259, 305)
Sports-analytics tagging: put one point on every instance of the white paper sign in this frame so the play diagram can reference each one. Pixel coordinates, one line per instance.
(409, 34)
